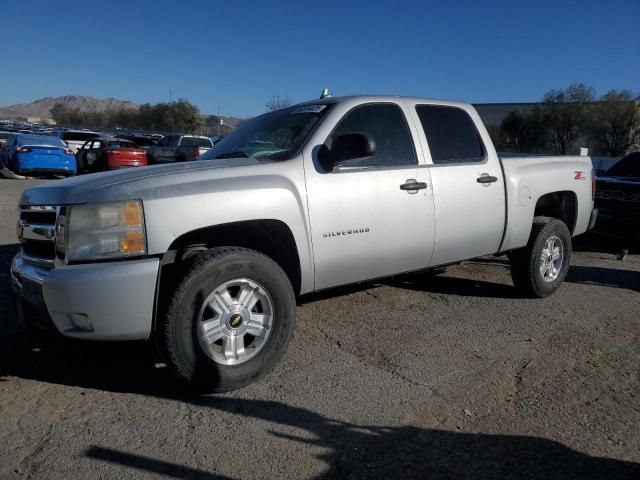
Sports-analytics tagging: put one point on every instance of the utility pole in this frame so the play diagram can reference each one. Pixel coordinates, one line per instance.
(218, 121)
(173, 127)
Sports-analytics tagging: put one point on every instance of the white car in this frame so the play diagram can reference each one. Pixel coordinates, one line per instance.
(75, 138)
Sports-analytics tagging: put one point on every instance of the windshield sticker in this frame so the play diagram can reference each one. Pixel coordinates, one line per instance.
(309, 109)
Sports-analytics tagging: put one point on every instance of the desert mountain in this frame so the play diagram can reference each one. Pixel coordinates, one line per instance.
(40, 108)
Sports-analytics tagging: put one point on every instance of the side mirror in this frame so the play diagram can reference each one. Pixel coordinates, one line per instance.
(349, 146)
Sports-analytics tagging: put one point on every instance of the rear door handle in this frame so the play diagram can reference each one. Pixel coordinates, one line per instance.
(486, 178)
(412, 186)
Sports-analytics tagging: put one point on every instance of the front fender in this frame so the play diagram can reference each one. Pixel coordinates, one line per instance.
(174, 206)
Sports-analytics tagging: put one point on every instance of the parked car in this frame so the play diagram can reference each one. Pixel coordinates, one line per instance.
(75, 138)
(178, 148)
(4, 136)
(207, 258)
(618, 197)
(37, 155)
(101, 154)
(143, 141)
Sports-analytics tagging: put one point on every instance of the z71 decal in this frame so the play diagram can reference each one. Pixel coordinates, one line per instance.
(580, 175)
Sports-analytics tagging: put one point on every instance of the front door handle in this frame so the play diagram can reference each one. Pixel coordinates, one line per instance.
(412, 186)
(486, 179)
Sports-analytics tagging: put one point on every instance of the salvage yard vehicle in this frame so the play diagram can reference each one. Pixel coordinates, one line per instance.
(207, 258)
(37, 155)
(144, 141)
(106, 153)
(178, 148)
(4, 136)
(74, 139)
(618, 197)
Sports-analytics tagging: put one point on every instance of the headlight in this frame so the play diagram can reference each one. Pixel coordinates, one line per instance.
(104, 231)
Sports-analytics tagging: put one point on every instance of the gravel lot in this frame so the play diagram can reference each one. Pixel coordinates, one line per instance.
(452, 376)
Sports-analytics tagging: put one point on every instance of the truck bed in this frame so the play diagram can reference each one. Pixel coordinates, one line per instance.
(526, 176)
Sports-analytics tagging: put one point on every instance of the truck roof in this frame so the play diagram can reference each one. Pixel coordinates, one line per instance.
(379, 98)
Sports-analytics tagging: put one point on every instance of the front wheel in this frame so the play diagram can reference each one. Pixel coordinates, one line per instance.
(230, 320)
(539, 268)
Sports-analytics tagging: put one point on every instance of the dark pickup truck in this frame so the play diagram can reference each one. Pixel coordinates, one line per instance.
(178, 148)
(618, 197)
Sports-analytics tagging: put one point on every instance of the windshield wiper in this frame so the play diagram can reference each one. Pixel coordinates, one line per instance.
(236, 154)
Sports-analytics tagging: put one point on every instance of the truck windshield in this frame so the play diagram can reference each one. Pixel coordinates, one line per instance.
(276, 135)
(629, 166)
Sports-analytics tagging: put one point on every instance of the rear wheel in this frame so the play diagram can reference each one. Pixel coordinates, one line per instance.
(539, 268)
(230, 320)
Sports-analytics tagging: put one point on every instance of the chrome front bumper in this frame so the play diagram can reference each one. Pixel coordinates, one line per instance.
(27, 280)
(100, 301)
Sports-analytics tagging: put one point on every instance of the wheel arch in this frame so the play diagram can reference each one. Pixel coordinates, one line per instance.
(271, 237)
(559, 204)
(562, 205)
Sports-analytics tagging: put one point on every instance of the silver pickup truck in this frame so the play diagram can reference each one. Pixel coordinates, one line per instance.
(207, 258)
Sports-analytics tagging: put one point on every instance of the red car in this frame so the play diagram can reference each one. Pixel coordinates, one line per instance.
(101, 154)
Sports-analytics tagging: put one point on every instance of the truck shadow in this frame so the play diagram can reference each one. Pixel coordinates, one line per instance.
(604, 242)
(605, 277)
(350, 450)
(367, 451)
(7, 309)
(456, 286)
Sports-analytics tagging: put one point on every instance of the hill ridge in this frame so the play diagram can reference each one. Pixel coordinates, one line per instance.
(40, 107)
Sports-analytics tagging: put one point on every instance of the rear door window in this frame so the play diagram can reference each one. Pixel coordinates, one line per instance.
(451, 134)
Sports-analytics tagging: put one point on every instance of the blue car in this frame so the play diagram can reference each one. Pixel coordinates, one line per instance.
(34, 155)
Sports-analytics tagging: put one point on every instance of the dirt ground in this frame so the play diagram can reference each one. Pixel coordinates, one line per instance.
(448, 376)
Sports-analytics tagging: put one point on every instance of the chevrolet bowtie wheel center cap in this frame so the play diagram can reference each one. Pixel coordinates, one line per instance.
(235, 321)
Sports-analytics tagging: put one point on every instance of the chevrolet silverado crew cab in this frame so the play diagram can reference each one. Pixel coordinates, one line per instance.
(207, 258)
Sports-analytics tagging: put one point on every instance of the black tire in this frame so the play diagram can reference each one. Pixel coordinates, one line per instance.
(177, 330)
(525, 262)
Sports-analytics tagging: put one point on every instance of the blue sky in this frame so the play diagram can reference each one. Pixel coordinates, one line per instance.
(235, 55)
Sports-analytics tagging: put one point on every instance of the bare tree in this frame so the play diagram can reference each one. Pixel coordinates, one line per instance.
(615, 129)
(565, 113)
(277, 102)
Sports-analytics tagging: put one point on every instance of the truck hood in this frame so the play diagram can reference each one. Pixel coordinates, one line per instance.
(618, 183)
(80, 189)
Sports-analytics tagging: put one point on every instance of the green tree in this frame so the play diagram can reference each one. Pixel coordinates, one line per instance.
(524, 132)
(615, 126)
(180, 116)
(565, 113)
(186, 117)
(59, 113)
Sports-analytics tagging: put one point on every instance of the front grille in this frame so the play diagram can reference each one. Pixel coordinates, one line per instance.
(36, 232)
(38, 216)
(44, 250)
(618, 195)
